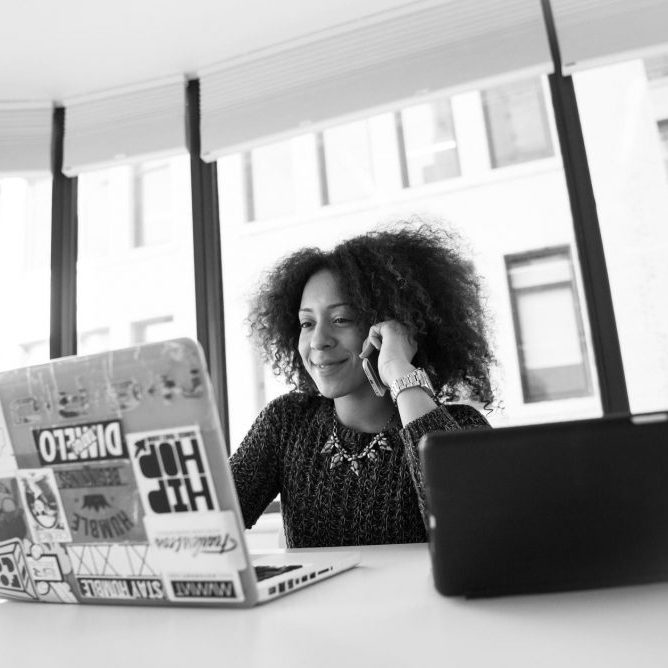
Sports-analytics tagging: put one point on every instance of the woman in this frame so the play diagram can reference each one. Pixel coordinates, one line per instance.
(344, 459)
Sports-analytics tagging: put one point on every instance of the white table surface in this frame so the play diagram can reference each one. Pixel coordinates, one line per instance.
(385, 612)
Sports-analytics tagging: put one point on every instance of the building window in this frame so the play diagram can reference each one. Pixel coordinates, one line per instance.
(155, 329)
(93, 341)
(35, 352)
(548, 326)
(663, 134)
(430, 142)
(657, 67)
(282, 179)
(517, 125)
(152, 203)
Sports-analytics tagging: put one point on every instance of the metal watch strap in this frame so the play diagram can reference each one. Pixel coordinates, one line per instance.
(416, 378)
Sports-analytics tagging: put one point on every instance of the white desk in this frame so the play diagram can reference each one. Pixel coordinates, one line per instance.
(383, 613)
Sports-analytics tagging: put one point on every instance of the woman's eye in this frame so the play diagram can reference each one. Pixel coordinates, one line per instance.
(341, 321)
(304, 325)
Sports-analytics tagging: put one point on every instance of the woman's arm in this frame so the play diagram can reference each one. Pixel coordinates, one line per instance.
(452, 417)
(256, 463)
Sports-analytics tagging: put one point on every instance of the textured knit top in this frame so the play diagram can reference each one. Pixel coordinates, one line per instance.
(329, 506)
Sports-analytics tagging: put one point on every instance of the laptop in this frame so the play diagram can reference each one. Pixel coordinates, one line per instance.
(115, 487)
(551, 507)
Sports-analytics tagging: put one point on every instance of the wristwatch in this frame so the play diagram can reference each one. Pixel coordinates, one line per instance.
(416, 378)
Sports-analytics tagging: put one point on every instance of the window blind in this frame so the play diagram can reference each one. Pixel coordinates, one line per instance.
(368, 64)
(116, 126)
(25, 137)
(597, 32)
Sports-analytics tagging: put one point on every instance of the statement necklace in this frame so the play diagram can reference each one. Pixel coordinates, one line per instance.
(370, 452)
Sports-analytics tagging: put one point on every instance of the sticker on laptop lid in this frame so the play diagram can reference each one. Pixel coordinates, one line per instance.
(101, 502)
(48, 565)
(172, 471)
(44, 511)
(93, 441)
(197, 543)
(120, 572)
(15, 581)
(12, 520)
(211, 588)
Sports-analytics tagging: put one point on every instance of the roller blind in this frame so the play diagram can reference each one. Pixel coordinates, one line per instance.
(25, 137)
(596, 32)
(368, 64)
(116, 126)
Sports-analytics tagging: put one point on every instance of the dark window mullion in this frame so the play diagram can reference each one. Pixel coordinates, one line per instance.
(208, 261)
(596, 284)
(64, 242)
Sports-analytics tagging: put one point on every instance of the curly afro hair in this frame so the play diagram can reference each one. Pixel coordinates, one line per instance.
(415, 274)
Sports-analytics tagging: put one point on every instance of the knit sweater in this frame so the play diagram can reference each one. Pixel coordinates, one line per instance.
(327, 506)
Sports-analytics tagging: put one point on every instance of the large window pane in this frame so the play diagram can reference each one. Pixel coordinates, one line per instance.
(548, 326)
(361, 160)
(431, 145)
(504, 214)
(517, 124)
(135, 253)
(25, 269)
(620, 112)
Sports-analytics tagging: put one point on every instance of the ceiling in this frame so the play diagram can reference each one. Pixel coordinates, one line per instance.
(54, 50)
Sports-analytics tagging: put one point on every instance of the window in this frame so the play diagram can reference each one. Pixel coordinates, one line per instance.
(517, 125)
(156, 329)
(548, 326)
(284, 178)
(25, 269)
(619, 112)
(153, 205)
(663, 134)
(35, 352)
(657, 67)
(498, 218)
(362, 160)
(93, 341)
(430, 143)
(146, 204)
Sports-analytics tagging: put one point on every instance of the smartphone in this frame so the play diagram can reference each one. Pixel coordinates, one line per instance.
(370, 366)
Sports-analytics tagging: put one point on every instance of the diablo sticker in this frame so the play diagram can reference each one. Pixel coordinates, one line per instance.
(101, 502)
(172, 471)
(94, 441)
(43, 507)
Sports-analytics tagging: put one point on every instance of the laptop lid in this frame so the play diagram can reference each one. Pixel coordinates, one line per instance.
(548, 507)
(115, 485)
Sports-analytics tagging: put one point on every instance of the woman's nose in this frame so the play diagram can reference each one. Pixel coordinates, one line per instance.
(321, 337)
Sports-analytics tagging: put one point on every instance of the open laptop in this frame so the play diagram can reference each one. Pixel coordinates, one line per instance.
(552, 507)
(115, 487)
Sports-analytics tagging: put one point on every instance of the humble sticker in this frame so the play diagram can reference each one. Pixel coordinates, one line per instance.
(172, 471)
(94, 441)
(100, 501)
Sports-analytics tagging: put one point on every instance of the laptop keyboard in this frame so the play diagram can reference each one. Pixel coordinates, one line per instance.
(264, 572)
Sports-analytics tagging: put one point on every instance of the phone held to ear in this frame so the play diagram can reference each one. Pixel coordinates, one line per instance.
(370, 366)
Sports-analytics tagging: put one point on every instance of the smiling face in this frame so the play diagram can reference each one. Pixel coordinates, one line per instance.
(330, 338)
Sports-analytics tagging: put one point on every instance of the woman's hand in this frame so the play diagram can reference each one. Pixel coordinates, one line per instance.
(397, 347)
